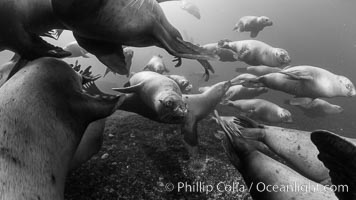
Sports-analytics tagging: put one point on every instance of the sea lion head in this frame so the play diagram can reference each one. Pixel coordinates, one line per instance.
(282, 56)
(335, 109)
(285, 115)
(347, 87)
(265, 21)
(173, 108)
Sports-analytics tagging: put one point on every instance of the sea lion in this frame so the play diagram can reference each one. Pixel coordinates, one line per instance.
(137, 23)
(254, 52)
(338, 154)
(183, 83)
(306, 81)
(262, 110)
(267, 178)
(262, 70)
(294, 146)
(128, 53)
(252, 24)
(315, 107)
(43, 116)
(239, 92)
(156, 64)
(160, 93)
(75, 50)
(191, 8)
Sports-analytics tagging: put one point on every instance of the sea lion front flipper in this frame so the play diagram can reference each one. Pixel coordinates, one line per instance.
(339, 156)
(297, 75)
(302, 101)
(110, 54)
(190, 134)
(254, 34)
(130, 89)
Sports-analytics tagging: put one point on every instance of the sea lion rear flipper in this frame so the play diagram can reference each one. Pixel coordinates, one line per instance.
(54, 33)
(110, 54)
(130, 89)
(297, 75)
(207, 68)
(339, 156)
(171, 40)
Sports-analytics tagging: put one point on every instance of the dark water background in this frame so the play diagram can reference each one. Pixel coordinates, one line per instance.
(319, 32)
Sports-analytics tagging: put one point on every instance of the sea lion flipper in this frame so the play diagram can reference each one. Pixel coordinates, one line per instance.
(130, 89)
(297, 75)
(110, 54)
(253, 34)
(207, 68)
(339, 156)
(190, 134)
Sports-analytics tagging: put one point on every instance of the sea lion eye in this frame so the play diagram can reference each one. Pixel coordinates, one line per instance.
(169, 103)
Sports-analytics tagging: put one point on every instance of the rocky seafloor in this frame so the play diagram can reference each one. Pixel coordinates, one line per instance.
(142, 159)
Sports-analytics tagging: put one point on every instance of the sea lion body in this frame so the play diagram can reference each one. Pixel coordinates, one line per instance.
(156, 64)
(158, 92)
(252, 24)
(23, 22)
(263, 110)
(267, 178)
(102, 27)
(240, 92)
(308, 81)
(316, 107)
(43, 115)
(254, 52)
(294, 146)
(183, 83)
(262, 70)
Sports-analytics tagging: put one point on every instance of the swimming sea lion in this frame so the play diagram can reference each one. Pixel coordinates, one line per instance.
(254, 52)
(262, 70)
(43, 116)
(137, 23)
(156, 64)
(239, 92)
(128, 53)
(261, 109)
(338, 154)
(160, 93)
(252, 24)
(315, 107)
(294, 146)
(306, 81)
(75, 50)
(183, 83)
(267, 178)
